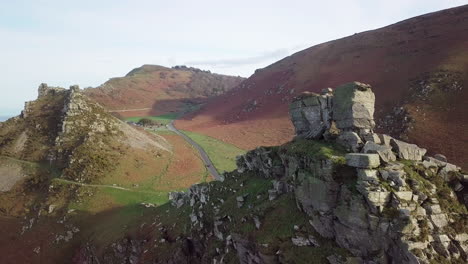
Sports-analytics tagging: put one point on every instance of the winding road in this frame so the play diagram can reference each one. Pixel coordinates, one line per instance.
(206, 159)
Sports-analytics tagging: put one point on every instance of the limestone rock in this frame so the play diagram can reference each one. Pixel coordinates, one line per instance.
(350, 140)
(360, 160)
(368, 175)
(353, 106)
(386, 154)
(310, 114)
(371, 137)
(407, 151)
(440, 157)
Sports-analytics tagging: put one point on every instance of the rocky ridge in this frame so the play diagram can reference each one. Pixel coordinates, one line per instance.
(384, 200)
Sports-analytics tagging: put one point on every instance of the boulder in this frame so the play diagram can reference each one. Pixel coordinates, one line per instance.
(407, 151)
(440, 157)
(367, 175)
(448, 170)
(377, 200)
(360, 160)
(353, 107)
(385, 139)
(385, 153)
(350, 140)
(310, 114)
(371, 137)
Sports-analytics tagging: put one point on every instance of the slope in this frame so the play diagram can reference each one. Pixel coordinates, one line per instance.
(155, 90)
(418, 68)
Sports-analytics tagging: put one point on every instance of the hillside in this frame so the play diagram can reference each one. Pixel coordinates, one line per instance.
(66, 157)
(157, 90)
(340, 194)
(418, 68)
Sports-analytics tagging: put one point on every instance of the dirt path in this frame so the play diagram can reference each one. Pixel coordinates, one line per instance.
(103, 186)
(206, 159)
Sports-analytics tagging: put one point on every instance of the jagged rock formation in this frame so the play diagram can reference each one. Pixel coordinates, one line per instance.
(385, 202)
(356, 221)
(66, 129)
(348, 196)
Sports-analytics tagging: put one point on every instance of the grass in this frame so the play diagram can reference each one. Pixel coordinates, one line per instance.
(163, 119)
(315, 149)
(223, 155)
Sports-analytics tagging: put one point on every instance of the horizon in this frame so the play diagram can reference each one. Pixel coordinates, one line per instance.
(72, 45)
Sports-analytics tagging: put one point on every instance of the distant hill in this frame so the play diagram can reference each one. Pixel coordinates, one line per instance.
(418, 69)
(155, 90)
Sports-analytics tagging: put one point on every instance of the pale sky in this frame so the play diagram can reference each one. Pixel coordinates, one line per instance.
(87, 42)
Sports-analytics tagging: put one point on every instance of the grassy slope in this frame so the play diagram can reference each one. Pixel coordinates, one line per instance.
(277, 218)
(388, 58)
(139, 179)
(223, 155)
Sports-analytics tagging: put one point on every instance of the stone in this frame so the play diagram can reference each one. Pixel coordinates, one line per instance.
(272, 195)
(458, 187)
(439, 220)
(386, 154)
(371, 137)
(310, 115)
(432, 208)
(303, 241)
(367, 175)
(407, 151)
(257, 222)
(360, 160)
(353, 107)
(378, 200)
(440, 157)
(240, 201)
(350, 140)
(327, 90)
(447, 171)
(397, 177)
(404, 195)
(385, 139)
(464, 178)
(51, 208)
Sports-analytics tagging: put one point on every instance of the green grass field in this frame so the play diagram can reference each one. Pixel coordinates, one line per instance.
(223, 155)
(163, 119)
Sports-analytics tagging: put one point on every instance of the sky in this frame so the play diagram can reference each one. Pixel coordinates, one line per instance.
(86, 42)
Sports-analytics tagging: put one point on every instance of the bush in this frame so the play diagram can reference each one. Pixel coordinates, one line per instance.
(148, 122)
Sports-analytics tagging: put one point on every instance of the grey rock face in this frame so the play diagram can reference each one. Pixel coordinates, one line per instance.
(310, 114)
(353, 107)
(350, 140)
(385, 153)
(407, 151)
(45, 90)
(364, 161)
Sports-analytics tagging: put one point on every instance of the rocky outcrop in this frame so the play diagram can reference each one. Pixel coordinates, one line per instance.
(349, 108)
(45, 90)
(376, 198)
(382, 199)
(310, 114)
(387, 216)
(353, 107)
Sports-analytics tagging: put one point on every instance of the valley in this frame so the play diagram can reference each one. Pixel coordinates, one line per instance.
(352, 151)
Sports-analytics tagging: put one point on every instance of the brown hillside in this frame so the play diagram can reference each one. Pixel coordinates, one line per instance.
(156, 89)
(418, 69)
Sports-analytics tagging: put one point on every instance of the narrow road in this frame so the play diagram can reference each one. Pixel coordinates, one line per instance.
(129, 110)
(206, 159)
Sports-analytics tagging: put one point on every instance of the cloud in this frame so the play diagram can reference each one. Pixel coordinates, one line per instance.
(268, 56)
